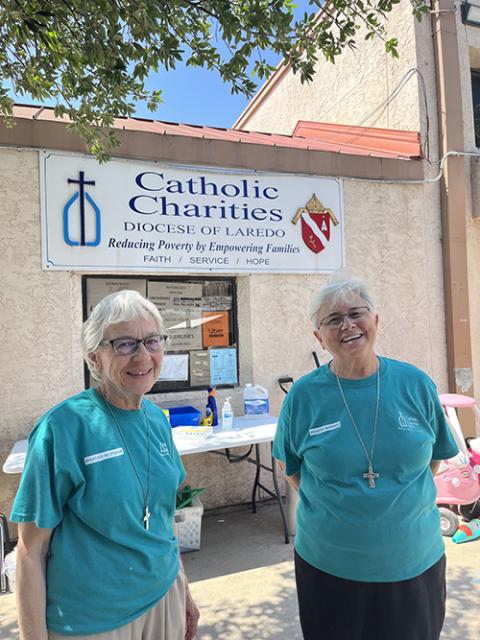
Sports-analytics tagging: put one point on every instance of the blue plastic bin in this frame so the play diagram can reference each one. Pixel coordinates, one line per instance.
(184, 416)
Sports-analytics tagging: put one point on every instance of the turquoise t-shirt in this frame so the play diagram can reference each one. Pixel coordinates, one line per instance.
(104, 569)
(344, 527)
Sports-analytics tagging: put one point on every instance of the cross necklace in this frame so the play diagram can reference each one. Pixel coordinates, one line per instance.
(371, 475)
(146, 491)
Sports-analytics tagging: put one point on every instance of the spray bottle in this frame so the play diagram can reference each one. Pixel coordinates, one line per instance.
(211, 410)
(227, 416)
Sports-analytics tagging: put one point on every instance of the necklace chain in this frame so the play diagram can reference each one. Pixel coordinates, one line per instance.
(145, 492)
(370, 475)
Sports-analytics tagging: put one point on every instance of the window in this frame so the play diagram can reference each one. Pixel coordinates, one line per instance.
(476, 105)
(200, 319)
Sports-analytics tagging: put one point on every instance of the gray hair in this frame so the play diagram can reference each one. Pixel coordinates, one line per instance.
(338, 288)
(121, 306)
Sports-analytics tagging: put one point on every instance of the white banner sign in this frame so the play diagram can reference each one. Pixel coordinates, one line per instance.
(135, 216)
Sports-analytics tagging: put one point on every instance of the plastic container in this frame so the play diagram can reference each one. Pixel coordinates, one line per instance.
(255, 399)
(227, 416)
(184, 416)
(189, 526)
(193, 433)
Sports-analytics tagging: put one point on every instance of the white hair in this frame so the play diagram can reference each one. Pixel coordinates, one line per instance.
(340, 285)
(121, 306)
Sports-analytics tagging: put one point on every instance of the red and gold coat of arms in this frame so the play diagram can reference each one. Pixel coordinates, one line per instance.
(315, 220)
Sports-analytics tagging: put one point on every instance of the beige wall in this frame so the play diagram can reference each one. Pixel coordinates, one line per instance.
(351, 90)
(40, 313)
(392, 239)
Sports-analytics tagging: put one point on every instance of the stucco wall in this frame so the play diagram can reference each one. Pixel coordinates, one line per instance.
(40, 313)
(351, 91)
(392, 239)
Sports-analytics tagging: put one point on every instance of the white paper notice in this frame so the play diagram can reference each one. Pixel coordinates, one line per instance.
(199, 368)
(98, 288)
(223, 366)
(179, 304)
(174, 367)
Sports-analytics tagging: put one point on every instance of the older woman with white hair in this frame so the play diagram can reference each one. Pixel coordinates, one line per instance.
(359, 438)
(97, 555)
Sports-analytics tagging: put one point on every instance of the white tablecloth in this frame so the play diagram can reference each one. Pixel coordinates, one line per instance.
(246, 430)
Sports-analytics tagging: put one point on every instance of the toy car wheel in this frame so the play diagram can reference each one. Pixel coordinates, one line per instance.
(448, 522)
(470, 511)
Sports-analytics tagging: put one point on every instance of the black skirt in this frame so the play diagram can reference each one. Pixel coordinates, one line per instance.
(339, 609)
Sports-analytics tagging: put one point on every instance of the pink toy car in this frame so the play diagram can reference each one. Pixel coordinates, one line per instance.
(458, 492)
(473, 446)
(458, 479)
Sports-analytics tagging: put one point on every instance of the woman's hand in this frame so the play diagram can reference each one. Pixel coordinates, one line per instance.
(193, 614)
(434, 466)
(293, 481)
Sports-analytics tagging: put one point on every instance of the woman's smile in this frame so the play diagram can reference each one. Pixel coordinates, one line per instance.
(139, 373)
(351, 338)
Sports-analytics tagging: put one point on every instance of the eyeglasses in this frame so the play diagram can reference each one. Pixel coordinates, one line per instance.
(336, 320)
(129, 346)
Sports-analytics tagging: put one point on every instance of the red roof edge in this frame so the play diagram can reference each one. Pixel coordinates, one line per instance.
(314, 136)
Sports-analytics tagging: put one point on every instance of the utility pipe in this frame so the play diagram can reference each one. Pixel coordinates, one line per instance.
(453, 203)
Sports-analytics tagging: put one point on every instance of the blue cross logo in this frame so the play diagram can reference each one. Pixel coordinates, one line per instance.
(81, 195)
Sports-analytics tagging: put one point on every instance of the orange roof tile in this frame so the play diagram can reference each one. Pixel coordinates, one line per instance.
(388, 143)
(307, 135)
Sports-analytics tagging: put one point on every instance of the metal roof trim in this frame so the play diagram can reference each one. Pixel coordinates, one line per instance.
(380, 143)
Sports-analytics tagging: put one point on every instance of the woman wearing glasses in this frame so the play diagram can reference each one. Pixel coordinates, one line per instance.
(97, 555)
(359, 439)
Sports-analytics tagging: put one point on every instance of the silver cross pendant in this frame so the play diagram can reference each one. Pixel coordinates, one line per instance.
(146, 517)
(371, 476)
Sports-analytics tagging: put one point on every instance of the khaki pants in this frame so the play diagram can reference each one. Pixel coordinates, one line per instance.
(164, 621)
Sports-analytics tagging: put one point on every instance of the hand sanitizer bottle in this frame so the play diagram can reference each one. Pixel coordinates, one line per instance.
(227, 416)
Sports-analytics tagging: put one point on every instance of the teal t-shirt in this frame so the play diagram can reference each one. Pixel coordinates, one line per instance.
(103, 569)
(344, 527)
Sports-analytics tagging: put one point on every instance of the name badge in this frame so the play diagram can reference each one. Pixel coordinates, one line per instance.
(104, 455)
(324, 428)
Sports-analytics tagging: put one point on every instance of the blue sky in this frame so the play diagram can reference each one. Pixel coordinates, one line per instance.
(194, 96)
(198, 96)
(190, 95)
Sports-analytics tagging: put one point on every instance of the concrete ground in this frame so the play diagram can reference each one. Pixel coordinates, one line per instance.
(242, 579)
